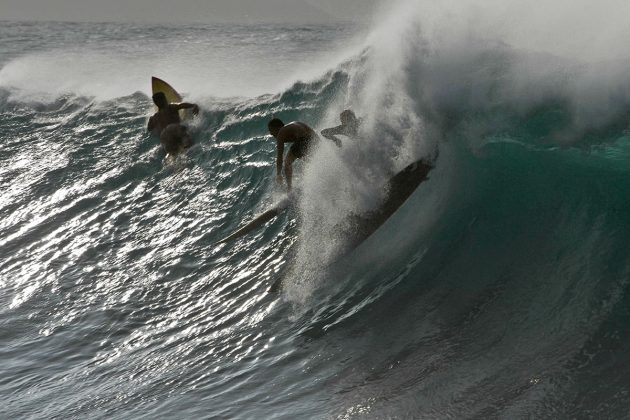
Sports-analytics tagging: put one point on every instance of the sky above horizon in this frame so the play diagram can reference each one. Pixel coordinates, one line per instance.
(212, 11)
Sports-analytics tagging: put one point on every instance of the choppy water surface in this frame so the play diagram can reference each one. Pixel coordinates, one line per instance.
(500, 289)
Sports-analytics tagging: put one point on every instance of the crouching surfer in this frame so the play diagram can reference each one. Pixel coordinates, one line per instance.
(302, 138)
(174, 136)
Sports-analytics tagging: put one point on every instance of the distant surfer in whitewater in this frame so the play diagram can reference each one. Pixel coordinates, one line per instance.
(174, 136)
(301, 135)
(349, 127)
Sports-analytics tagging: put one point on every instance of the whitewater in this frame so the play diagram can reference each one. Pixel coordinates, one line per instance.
(500, 289)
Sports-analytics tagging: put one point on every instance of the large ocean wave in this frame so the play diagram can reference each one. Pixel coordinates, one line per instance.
(500, 288)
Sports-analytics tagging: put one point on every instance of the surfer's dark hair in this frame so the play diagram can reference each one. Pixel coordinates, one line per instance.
(348, 115)
(159, 97)
(275, 123)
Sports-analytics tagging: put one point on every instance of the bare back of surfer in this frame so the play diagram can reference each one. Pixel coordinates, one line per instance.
(174, 136)
(302, 138)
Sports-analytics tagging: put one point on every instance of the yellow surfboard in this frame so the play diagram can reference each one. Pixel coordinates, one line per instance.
(159, 85)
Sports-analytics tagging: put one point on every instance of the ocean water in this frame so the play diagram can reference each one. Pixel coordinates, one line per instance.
(499, 290)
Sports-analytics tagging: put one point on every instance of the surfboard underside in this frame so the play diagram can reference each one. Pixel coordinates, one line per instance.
(159, 85)
(172, 96)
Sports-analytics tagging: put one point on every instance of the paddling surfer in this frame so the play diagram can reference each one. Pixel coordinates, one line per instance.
(174, 136)
(302, 138)
(349, 127)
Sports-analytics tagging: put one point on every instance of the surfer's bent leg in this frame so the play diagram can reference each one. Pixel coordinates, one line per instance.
(186, 140)
(288, 168)
(297, 151)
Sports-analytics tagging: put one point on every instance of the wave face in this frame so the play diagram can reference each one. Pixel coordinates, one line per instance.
(499, 290)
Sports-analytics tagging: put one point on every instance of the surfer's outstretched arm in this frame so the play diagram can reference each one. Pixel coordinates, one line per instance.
(330, 133)
(187, 105)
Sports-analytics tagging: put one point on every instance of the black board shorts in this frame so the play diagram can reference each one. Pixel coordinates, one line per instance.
(174, 138)
(300, 148)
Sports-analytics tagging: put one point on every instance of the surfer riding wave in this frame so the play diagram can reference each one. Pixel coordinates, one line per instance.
(174, 136)
(302, 138)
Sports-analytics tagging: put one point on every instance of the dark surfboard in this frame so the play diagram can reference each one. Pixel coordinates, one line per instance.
(399, 189)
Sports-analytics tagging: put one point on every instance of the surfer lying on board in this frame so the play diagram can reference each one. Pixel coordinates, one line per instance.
(349, 127)
(301, 135)
(174, 136)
